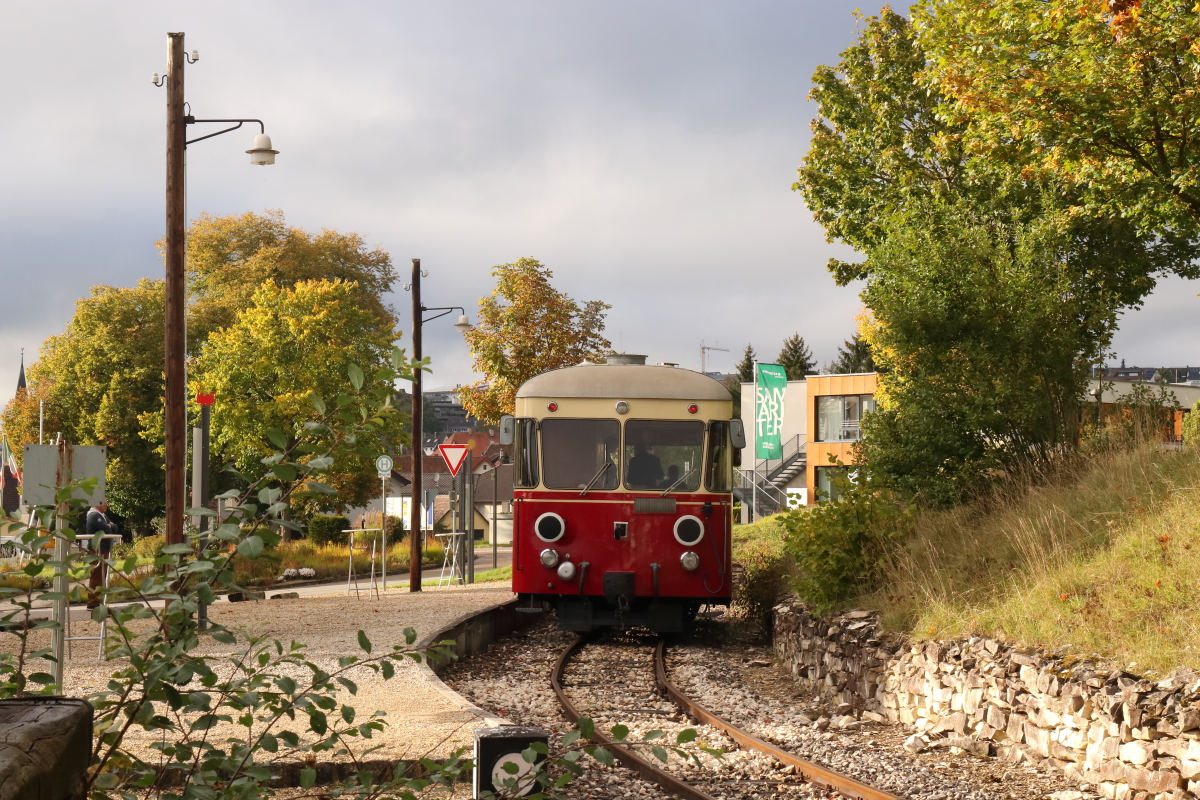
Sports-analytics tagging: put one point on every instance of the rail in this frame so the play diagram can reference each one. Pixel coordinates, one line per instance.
(641, 766)
(805, 769)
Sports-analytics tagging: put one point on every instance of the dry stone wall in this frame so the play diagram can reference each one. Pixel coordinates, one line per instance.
(1130, 738)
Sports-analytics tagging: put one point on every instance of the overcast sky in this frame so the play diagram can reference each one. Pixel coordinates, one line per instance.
(643, 150)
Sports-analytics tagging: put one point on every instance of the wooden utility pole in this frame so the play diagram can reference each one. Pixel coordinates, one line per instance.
(417, 488)
(175, 422)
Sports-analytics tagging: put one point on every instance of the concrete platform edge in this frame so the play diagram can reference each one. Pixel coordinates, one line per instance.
(472, 633)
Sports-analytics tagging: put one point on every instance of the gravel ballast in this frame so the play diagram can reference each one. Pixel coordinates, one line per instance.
(738, 681)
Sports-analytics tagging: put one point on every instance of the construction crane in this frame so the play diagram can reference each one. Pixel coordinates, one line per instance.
(704, 349)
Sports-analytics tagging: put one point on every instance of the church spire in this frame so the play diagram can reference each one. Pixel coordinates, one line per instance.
(21, 377)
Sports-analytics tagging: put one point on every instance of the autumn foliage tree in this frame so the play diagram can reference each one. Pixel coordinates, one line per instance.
(102, 379)
(940, 220)
(97, 379)
(293, 343)
(527, 327)
(1101, 94)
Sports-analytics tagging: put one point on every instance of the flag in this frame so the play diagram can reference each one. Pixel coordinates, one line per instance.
(9, 461)
(770, 383)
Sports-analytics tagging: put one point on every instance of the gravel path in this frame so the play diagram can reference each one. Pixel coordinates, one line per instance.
(421, 721)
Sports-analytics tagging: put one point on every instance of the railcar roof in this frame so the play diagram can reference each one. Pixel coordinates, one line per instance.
(624, 381)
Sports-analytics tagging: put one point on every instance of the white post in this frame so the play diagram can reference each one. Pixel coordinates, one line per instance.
(754, 449)
(383, 523)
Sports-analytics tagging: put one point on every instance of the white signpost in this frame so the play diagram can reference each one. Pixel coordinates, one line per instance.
(383, 465)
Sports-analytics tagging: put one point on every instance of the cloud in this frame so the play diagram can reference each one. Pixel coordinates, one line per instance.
(642, 150)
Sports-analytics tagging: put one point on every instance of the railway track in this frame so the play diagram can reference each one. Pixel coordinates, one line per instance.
(624, 679)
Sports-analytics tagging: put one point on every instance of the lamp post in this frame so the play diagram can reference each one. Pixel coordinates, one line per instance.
(175, 417)
(417, 488)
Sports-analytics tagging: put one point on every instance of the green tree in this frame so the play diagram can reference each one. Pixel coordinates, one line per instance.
(1101, 94)
(97, 379)
(854, 355)
(526, 327)
(290, 344)
(986, 342)
(745, 367)
(796, 358)
(882, 155)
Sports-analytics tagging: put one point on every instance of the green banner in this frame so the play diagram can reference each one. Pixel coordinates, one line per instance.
(768, 410)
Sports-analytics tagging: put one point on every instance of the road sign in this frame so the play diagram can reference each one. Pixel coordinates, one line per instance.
(453, 455)
(383, 465)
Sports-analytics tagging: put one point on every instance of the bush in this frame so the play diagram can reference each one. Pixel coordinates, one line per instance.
(763, 583)
(841, 548)
(149, 547)
(1191, 426)
(324, 529)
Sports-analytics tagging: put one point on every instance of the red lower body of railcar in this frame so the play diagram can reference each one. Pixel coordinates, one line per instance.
(617, 559)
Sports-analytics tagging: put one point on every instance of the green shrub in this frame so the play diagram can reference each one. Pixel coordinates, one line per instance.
(1191, 426)
(149, 547)
(841, 548)
(324, 529)
(763, 583)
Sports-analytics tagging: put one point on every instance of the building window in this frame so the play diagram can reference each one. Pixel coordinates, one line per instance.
(830, 483)
(839, 416)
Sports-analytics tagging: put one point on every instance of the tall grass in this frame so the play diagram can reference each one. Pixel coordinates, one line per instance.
(1101, 554)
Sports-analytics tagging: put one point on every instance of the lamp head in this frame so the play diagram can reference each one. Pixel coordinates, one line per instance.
(463, 325)
(262, 153)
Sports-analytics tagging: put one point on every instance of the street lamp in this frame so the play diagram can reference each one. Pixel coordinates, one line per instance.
(175, 417)
(418, 319)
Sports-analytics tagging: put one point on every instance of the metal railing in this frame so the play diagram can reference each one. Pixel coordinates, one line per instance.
(792, 449)
(760, 495)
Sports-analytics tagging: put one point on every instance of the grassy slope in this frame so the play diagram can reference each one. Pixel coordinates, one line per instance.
(1106, 561)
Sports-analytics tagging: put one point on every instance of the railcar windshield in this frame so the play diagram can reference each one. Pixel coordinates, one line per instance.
(577, 453)
(661, 454)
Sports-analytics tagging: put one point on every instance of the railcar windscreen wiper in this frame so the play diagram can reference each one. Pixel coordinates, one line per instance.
(682, 478)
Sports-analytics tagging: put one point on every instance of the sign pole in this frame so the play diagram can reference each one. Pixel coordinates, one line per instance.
(384, 524)
(469, 517)
(754, 463)
(414, 546)
(383, 466)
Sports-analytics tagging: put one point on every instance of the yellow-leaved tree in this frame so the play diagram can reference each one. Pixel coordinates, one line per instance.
(291, 344)
(526, 327)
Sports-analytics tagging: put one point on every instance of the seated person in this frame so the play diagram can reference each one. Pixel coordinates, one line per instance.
(672, 476)
(645, 470)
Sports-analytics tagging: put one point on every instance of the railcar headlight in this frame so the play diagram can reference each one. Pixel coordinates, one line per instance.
(549, 558)
(566, 570)
(689, 530)
(550, 527)
(689, 561)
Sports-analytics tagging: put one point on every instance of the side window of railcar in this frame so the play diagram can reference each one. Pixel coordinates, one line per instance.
(581, 453)
(661, 454)
(718, 475)
(525, 460)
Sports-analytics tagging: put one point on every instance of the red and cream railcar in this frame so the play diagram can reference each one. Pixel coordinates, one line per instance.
(623, 476)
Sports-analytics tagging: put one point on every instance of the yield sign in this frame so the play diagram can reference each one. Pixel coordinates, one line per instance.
(453, 455)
